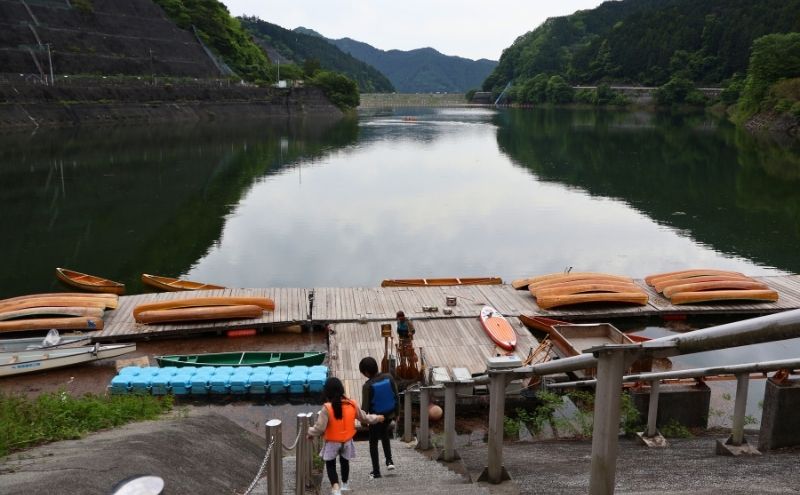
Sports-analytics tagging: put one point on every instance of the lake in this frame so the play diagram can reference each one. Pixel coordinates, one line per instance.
(403, 193)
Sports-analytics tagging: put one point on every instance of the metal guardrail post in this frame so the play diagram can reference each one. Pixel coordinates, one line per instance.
(610, 369)
(739, 407)
(423, 438)
(495, 472)
(652, 410)
(310, 449)
(275, 464)
(407, 426)
(449, 421)
(300, 453)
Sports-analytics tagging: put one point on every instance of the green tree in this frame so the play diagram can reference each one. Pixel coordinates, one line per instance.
(311, 66)
(558, 91)
(774, 57)
(340, 89)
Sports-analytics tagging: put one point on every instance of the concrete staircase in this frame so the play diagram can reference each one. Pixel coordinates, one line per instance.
(414, 474)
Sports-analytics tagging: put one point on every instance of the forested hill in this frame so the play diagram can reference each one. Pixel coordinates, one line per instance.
(646, 42)
(298, 47)
(424, 70)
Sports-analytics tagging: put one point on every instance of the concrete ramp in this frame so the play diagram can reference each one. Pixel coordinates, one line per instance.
(204, 454)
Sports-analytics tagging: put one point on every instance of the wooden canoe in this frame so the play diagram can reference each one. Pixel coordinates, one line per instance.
(498, 328)
(716, 285)
(85, 295)
(547, 302)
(577, 277)
(89, 283)
(67, 323)
(17, 363)
(246, 358)
(566, 277)
(69, 301)
(262, 302)
(723, 295)
(584, 286)
(52, 311)
(696, 272)
(540, 323)
(170, 284)
(437, 282)
(199, 313)
(661, 286)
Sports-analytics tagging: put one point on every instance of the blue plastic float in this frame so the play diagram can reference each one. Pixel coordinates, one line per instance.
(204, 380)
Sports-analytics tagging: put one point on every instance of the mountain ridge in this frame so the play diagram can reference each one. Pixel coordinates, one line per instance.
(421, 70)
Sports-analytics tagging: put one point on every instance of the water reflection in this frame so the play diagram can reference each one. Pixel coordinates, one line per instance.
(124, 201)
(397, 194)
(699, 177)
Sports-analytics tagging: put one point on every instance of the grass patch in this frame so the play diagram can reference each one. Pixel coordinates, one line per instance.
(59, 416)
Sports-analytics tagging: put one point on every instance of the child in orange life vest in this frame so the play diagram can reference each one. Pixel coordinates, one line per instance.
(336, 421)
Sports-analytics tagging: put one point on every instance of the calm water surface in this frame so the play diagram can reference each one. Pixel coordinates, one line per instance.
(400, 194)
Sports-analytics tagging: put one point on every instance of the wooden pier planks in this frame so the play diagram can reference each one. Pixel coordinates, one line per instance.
(449, 343)
(373, 304)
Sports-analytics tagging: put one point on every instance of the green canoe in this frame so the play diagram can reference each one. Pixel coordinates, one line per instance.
(244, 359)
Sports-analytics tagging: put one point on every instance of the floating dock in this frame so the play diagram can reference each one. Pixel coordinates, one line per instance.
(449, 337)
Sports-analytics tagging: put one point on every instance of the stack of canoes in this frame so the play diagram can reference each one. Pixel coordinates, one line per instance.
(708, 285)
(562, 289)
(62, 311)
(202, 309)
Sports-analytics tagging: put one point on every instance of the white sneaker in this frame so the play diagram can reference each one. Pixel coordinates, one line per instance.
(390, 467)
(335, 490)
(345, 487)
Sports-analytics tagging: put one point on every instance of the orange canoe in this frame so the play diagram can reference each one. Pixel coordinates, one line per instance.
(498, 328)
(264, 303)
(89, 283)
(201, 313)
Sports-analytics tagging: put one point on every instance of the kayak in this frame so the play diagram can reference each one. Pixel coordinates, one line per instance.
(498, 328)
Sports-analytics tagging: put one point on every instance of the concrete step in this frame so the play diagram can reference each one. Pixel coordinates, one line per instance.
(414, 473)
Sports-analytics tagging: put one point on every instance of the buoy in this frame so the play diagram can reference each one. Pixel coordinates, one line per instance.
(244, 332)
(434, 412)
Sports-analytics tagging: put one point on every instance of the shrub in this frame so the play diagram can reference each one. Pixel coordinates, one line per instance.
(340, 90)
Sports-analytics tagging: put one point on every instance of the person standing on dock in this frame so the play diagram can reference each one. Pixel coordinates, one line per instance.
(336, 420)
(379, 396)
(405, 329)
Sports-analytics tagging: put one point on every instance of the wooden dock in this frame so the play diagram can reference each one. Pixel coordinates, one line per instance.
(452, 340)
(380, 304)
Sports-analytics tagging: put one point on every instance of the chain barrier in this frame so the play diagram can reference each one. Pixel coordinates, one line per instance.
(296, 439)
(260, 470)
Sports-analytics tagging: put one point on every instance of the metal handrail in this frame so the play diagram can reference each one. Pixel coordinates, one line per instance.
(732, 369)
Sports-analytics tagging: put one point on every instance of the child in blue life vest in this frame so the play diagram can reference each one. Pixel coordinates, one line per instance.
(337, 422)
(379, 395)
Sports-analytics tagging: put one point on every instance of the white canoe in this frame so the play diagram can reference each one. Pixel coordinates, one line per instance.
(34, 343)
(17, 363)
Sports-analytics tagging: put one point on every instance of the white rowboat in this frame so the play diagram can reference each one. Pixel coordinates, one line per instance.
(17, 363)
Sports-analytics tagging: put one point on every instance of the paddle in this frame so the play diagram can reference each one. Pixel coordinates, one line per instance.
(385, 360)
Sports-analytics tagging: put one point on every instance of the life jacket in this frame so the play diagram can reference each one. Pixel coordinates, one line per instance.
(341, 430)
(382, 400)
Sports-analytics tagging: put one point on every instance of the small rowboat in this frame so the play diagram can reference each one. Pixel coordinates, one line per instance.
(438, 282)
(498, 328)
(201, 313)
(17, 363)
(33, 343)
(89, 283)
(246, 358)
(175, 284)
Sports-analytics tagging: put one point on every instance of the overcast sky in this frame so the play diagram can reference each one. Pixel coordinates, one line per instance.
(467, 28)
